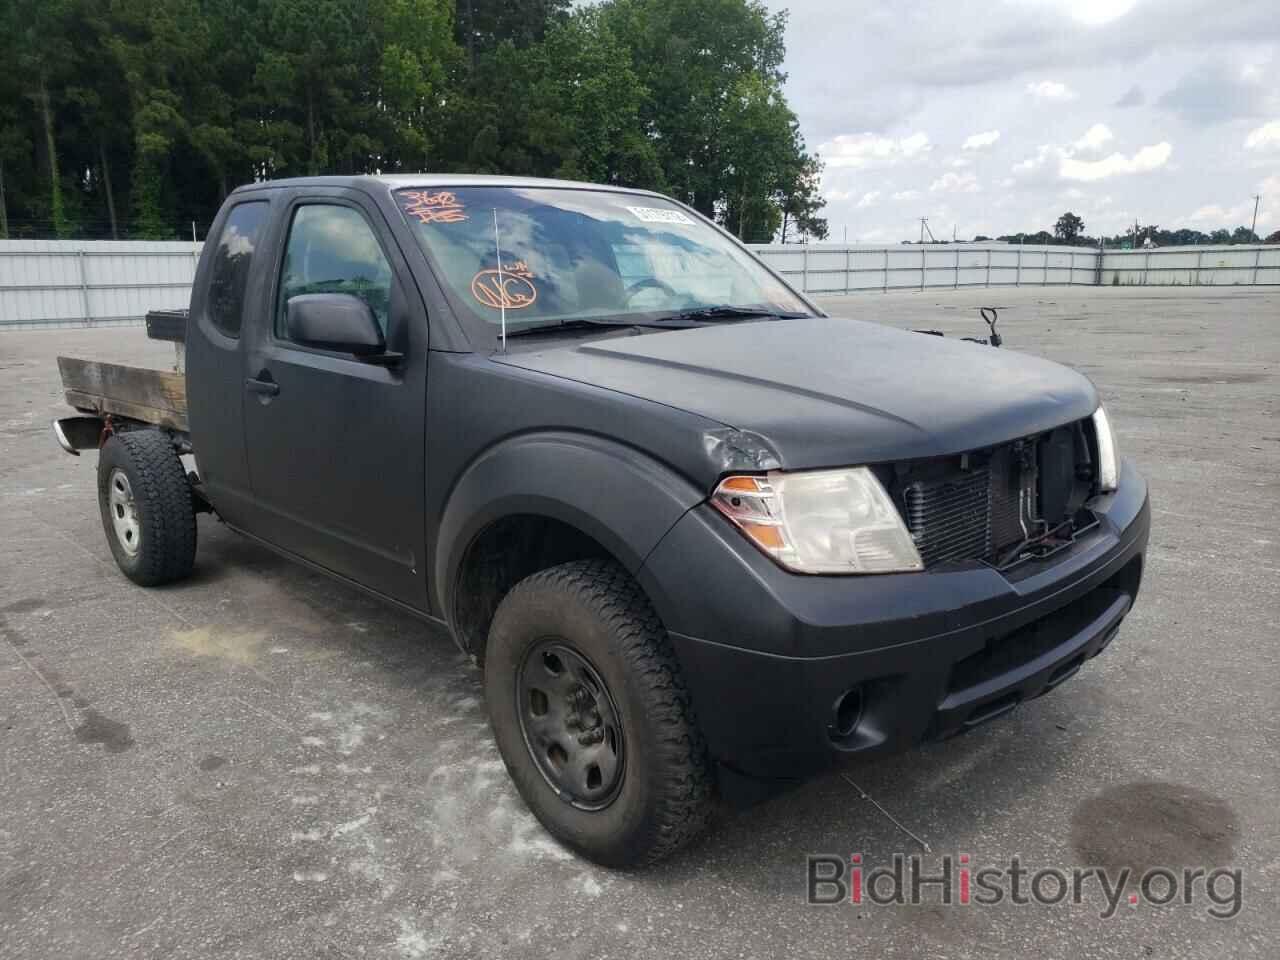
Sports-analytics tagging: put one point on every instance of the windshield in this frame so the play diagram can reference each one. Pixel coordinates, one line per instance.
(582, 254)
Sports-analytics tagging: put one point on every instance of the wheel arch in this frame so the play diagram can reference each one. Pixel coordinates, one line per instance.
(541, 499)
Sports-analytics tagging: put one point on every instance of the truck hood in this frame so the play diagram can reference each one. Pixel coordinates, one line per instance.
(827, 391)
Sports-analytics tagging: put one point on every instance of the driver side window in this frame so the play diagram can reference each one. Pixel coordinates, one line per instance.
(332, 249)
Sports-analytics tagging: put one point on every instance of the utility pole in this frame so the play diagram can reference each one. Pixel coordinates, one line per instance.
(923, 221)
(924, 227)
(1254, 229)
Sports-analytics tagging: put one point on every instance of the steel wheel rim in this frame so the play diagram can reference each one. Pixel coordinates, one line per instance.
(124, 512)
(571, 725)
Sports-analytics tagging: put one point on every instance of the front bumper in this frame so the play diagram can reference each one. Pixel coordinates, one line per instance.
(768, 655)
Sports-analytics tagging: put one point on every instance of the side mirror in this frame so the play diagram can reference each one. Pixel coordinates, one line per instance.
(334, 321)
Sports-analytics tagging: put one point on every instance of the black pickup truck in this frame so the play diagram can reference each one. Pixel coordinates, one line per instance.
(701, 536)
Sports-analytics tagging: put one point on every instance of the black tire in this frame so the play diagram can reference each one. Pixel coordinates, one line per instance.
(151, 525)
(593, 610)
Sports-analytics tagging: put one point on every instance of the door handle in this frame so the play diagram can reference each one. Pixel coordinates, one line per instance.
(263, 387)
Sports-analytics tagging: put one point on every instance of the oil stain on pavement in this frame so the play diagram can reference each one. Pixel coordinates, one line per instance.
(112, 734)
(1154, 824)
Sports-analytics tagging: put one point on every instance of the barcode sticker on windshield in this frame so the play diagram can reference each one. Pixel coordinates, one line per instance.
(659, 215)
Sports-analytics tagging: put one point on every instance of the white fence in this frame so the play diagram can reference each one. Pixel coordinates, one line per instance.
(1192, 266)
(47, 283)
(821, 268)
(824, 268)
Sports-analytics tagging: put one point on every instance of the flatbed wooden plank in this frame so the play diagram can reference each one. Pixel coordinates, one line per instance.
(150, 396)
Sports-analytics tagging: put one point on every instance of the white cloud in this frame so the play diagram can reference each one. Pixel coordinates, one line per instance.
(1265, 137)
(1094, 13)
(959, 162)
(1051, 90)
(1091, 13)
(1220, 216)
(862, 150)
(955, 183)
(1213, 215)
(1149, 158)
(1043, 152)
(863, 68)
(980, 140)
(869, 199)
(1094, 138)
(916, 143)
(906, 195)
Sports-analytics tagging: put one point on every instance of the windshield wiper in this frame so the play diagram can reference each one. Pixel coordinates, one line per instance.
(580, 323)
(728, 312)
(685, 318)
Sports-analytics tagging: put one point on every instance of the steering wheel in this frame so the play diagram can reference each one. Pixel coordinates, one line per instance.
(645, 284)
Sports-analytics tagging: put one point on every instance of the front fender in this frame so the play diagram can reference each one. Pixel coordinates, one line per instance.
(622, 498)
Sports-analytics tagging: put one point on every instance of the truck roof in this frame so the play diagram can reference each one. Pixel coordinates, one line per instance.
(401, 180)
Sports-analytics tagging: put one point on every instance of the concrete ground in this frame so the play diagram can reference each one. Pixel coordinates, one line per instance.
(261, 763)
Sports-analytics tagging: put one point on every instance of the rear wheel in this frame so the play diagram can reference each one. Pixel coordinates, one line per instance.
(591, 716)
(147, 511)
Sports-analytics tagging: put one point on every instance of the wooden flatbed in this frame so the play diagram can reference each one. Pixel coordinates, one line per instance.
(136, 393)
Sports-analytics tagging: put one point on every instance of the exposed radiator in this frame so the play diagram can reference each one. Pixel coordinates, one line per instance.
(950, 518)
(978, 513)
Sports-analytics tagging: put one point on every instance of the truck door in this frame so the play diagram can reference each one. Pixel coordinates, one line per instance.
(335, 444)
(229, 279)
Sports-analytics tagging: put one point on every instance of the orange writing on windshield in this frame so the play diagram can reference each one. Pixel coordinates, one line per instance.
(511, 288)
(441, 207)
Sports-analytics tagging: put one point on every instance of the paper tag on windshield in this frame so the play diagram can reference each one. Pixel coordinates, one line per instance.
(659, 215)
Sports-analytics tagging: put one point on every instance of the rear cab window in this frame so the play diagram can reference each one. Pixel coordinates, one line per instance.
(231, 262)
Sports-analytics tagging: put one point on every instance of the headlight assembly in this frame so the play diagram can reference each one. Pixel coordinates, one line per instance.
(820, 521)
(1108, 458)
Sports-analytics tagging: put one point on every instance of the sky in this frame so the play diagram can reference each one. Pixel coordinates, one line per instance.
(995, 116)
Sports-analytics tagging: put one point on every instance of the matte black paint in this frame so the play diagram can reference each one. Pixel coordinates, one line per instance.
(383, 475)
(826, 391)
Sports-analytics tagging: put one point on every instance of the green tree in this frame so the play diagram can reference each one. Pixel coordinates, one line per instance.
(41, 53)
(726, 141)
(131, 117)
(802, 199)
(567, 107)
(483, 25)
(415, 56)
(1068, 227)
(158, 46)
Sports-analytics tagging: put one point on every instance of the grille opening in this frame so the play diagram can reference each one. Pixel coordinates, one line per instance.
(1000, 505)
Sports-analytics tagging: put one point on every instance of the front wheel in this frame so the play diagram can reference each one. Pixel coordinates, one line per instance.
(147, 511)
(591, 716)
